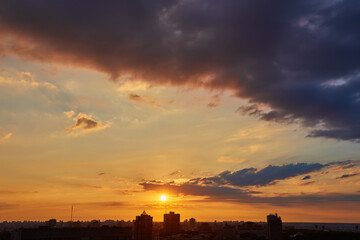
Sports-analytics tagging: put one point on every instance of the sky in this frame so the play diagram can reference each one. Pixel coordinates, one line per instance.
(232, 109)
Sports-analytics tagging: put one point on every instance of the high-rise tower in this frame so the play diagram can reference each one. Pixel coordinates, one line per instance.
(143, 227)
(274, 227)
(171, 223)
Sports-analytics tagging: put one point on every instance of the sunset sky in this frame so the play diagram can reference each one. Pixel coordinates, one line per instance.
(232, 109)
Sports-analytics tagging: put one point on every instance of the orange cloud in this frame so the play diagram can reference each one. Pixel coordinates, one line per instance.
(144, 99)
(5, 137)
(84, 123)
(26, 80)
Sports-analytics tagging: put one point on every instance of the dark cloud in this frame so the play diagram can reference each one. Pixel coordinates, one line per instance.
(228, 194)
(85, 123)
(260, 177)
(306, 177)
(299, 58)
(238, 186)
(194, 189)
(348, 175)
(134, 97)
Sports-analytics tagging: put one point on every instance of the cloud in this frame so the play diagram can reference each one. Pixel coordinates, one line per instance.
(26, 80)
(306, 183)
(70, 113)
(261, 177)
(144, 99)
(104, 204)
(175, 173)
(284, 55)
(5, 137)
(84, 123)
(348, 164)
(306, 177)
(240, 186)
(215, 101)
(228, 194)
(193, 189)
(133, 86)
(6, 191)
(6, 206)
(228, 159)
(148, 100)
(348, 175)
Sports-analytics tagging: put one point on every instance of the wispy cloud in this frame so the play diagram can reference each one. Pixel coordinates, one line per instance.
(5, 137)
(6, 206)
(106, 204)
(144, 99)
(7, 191)
(228, 159)
(215, 101)
(348, 175)
(26, 80)
(306, 183)
(130, 86)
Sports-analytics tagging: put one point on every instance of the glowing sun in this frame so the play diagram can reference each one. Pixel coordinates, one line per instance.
(163, 198)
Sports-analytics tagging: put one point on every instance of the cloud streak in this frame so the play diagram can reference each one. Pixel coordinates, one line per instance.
(5, 137)
(144, 99)
(348, 175)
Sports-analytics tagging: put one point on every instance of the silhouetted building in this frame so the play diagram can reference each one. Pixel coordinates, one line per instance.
(51, 223)
(143, 227)
(171, 223)
(94, 223)
(228, 232)
(204, 227)
(192, 223)
(274, 227)
(252, 228)
(48, 233)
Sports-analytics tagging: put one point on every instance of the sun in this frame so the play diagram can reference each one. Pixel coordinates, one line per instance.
(163, 198)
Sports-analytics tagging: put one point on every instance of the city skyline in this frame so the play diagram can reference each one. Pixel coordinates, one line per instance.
(220, 110)
(144, 228)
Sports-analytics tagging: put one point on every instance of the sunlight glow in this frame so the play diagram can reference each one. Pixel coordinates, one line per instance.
(163, 198)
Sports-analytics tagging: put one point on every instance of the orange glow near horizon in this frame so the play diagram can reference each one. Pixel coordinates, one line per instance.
(129, 155)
